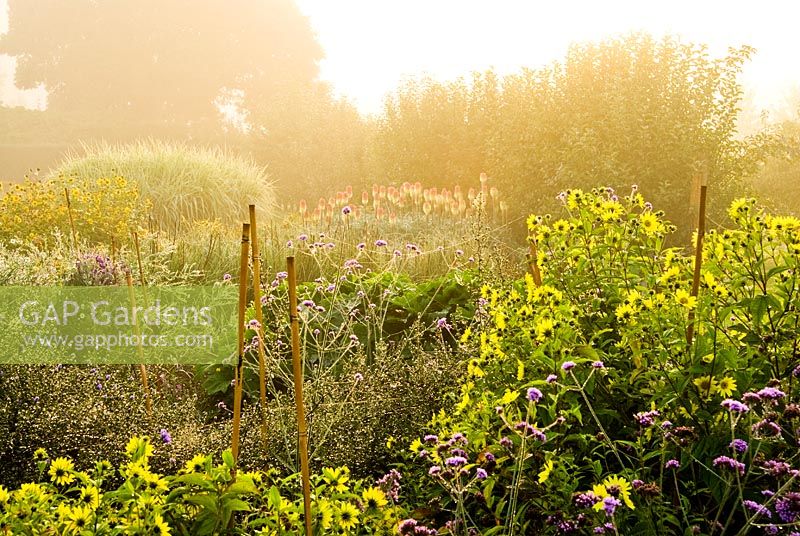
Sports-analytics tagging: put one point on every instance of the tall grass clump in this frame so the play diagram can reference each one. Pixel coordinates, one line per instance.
(184, 183)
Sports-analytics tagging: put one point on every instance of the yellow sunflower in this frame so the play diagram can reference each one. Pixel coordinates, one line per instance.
(374, 498)
(90, 497)
(726, 386)
(348, 516)
(79, 519)
(61, 471)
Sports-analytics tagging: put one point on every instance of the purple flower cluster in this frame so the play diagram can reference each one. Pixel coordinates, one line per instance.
(788, 507)
(389, 484)
(758, 509)
(739, 446)
(730, 463)
(528, 429)
(165, 436)
(352, 264)
(647, 419)
(735, 406)
(672, 464)
(456, 461)
(776, 468)
(771, 393)
(410, 527)
(610, 505)
(586, 500)
(534, 394)
(766, 428)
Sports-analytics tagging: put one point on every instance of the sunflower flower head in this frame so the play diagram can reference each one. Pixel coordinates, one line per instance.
(374, 498)
(348, 516)
(62, 471)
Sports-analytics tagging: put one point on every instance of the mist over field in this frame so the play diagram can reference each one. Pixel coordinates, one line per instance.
(463, 96)
(449, 268)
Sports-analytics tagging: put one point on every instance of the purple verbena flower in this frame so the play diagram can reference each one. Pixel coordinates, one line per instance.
(610, 504)
(586, 500)
(534, 394)
(646, 418)
(788, 507)
(759, 509)
(771, 393)
(739, 446)
(735, 406)
(730, 463)
(456, 461)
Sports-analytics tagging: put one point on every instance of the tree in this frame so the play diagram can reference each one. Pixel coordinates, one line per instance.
(437, 132)
(630, 110)
(312, 142)
(139, 66)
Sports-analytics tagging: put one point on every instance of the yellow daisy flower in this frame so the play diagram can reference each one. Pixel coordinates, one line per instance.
(79, 519)
(61, 471)
(685, 299)
(160, 526)
(706, 385)
(90, 497)
(726, 386)
(374, 498)
(544, 474)
(196, 464)
(348, 516)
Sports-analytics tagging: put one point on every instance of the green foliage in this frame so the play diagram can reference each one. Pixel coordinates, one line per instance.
(438, 133)
(776, 182)
(184, 183)
(310, 141)
(202, 498)
(590, 385)
(86, 412)
(378, 354)
(625, 109)
(101, 207)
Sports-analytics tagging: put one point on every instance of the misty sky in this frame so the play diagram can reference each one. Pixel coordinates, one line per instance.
(371, 45)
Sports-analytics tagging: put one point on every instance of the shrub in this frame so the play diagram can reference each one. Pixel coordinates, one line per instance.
(375, 346)
(588, 406)
(200, 498)
(86, 412)
(104, 208)
(184, 183)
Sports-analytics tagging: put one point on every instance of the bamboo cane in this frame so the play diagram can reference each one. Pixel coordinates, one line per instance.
(238, 376)
(533, 262)
(139, 258)
(72, 224)
(262, 368)
(298, 392)
(698, 255)
(142, 368)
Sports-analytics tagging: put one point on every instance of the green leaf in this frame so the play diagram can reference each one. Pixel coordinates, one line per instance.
(241, 487)
(206, 501)
(227, 458)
